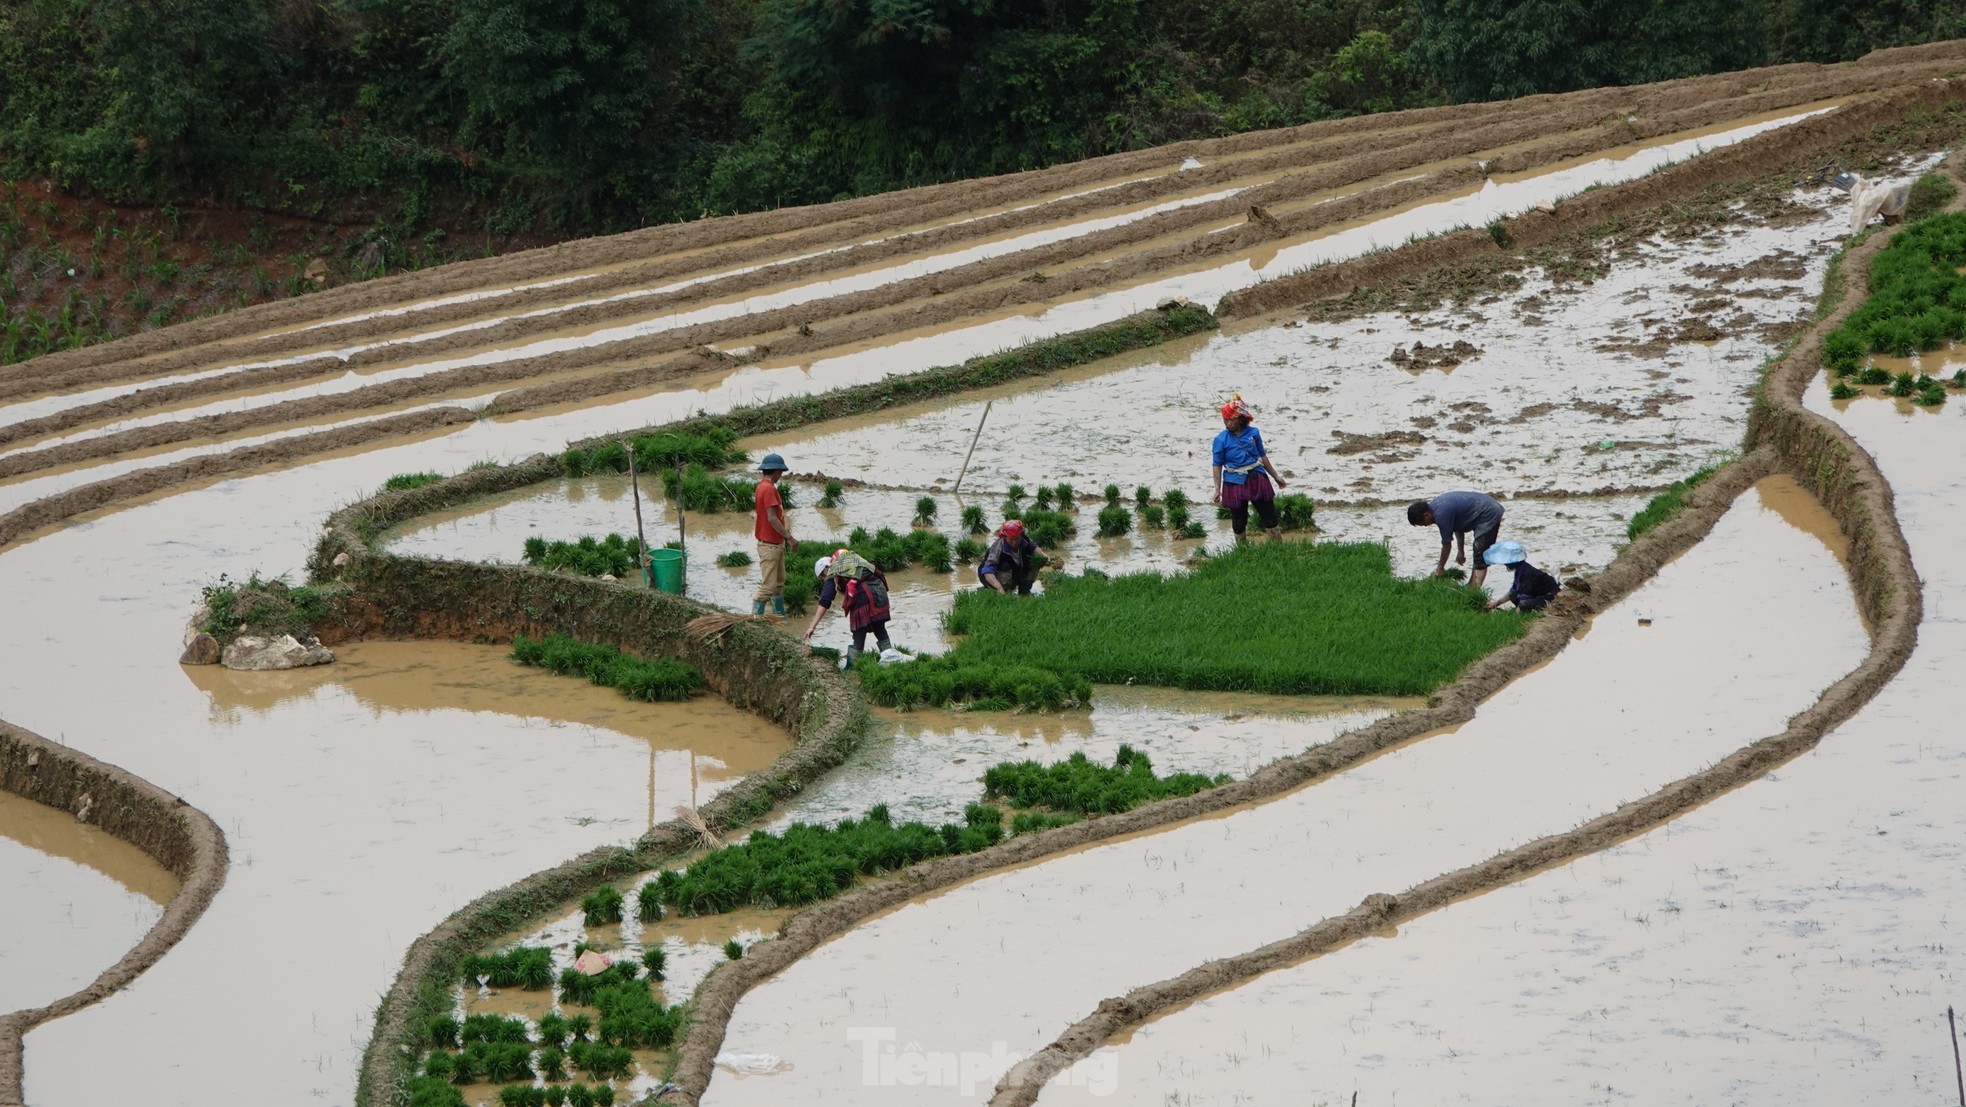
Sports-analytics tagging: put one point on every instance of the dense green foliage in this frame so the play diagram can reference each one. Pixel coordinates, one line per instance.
(809, 863)
(529, 968)
(1285, 617)
(1078, 786)
(638, 678)
(266, 607)
(1917, 303)
(1929, 195)
(505, 116)
(1666, 504)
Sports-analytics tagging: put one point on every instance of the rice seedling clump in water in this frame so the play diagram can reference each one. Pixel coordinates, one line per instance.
(589, 556)
(1078, 786)
(529, 968)
(1281, 617)
(962, 678)
(735, 559)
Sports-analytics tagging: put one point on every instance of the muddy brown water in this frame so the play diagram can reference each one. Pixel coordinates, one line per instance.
(1740, 635)
(1795, 933)
(76, 900)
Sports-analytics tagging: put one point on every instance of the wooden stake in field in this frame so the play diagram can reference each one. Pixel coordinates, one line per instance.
(1958, 1072)
(682, 532)
(635, 487)
(973, 439)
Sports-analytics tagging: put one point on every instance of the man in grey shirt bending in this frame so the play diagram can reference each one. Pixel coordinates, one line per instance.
(1456, 514)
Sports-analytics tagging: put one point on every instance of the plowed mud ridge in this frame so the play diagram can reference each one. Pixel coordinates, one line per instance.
(606, 319)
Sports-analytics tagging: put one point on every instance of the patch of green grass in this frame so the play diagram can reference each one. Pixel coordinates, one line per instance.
(699, 491)
(1928, 196)
(261, 606)
(1283, 617)
(1030, 822)
(1667, 504)
(402, 482)
(1077, 786)
(708, 446)
(638, 678)
(806, 863)
(614, 555)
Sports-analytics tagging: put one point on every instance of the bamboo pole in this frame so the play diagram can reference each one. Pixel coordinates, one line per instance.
(973, 439)
(635, 487)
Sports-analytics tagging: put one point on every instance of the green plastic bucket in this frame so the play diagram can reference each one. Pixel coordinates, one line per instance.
(666, 570)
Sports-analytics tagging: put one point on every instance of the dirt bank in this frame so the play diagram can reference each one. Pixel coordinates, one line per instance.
(178, 836)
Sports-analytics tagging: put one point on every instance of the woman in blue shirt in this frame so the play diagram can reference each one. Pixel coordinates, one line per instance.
(1243, 472)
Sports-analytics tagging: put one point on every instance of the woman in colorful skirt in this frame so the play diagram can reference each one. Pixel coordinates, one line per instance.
(1244, 473)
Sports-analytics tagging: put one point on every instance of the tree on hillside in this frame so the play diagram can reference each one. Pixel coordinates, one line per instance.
(1842, 30)
(1501, 49)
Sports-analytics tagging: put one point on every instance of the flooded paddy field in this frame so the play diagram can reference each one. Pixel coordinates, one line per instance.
(367, 801)
(1794, 934)
(1741, 637)
(77, 899)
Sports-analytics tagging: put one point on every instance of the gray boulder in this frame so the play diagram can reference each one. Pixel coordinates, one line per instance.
(285, 652)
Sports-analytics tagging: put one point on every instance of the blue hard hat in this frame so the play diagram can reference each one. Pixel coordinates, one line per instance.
(1505, 553)
(773, 464)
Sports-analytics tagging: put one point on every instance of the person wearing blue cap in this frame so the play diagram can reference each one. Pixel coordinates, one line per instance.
(1532, 589)
(774, 536)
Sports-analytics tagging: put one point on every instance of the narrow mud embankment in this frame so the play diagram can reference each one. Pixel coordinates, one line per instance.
(177, 835)
(1786, 436)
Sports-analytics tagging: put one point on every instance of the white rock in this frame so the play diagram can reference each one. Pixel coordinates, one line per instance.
(285, 652)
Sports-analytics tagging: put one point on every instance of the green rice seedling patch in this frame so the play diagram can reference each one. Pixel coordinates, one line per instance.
(1049, 529)
(615, 555)
(969, 550)
(1078, 786)
(494, 1062)
(1016, 493)
(602, 907)
(601, 1062)
(553, 1032)
(1281, 617)
(1114, 520)
(973, 680)
(584, 989)
(806, 863)
(631, 1018)
(1667, 504)
(1928, 196)
(735, 559)
(1296, 512)
(1112, 494)
(1042, 499)
(1067, 499)
(1917, 299)
(492, 1028)
(830, 497)
(528, 968)
(1153, 517)
(655, 960)
(925, 511)
(402, 482)
(973, 520)
(657, 680)
(432, 1091)
(1842, 391)
(1874, 375)
(1030, 822)
(1904, 384)
(648, 906)
(698, 490)
(733, 950)
(1192, 530)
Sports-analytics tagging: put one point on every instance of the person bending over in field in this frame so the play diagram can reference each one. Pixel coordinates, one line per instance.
(865, 603)
(1458, 514)
(1532, 589)
(1012, 561)
(1243, 472)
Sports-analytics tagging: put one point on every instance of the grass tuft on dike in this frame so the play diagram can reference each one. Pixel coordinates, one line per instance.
(1295, 618)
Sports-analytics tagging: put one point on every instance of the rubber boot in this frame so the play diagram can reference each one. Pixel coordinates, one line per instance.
(848, 658)
(1242, 539)
(884, 645)
(1275, 533)
(757, 607)
(778, 606)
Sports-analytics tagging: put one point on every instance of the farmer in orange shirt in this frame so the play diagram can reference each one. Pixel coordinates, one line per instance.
(773, 537)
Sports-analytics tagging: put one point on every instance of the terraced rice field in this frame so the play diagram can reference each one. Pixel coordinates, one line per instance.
(362, 803)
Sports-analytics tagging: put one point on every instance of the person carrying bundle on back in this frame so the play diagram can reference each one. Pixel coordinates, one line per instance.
(865, 599)
(1243, 472)
(1011, 562)
(1532, 589)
